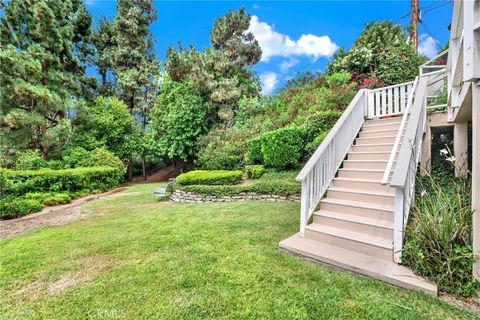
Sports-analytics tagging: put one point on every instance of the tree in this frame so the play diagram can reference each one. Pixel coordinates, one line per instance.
(177, 120)
(134, 64)
(44, 52)
(221, 74)
(104, 41)
(106, 124)
(378, 52)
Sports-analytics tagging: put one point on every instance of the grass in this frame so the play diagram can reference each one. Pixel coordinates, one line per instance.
(140, 259)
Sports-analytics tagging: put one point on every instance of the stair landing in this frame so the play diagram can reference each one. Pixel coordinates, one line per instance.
(381, 269)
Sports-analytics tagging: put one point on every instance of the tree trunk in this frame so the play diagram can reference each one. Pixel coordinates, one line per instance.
(130, 170)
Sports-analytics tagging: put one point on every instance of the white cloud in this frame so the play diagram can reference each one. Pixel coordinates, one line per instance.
(268, 80)
(274, 43)
(427, 46)
(285, 65)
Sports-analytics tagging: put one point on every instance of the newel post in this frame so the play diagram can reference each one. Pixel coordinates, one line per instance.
(398, 225)
(304, 206)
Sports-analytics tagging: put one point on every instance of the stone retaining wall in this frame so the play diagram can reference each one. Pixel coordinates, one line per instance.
(183, 196)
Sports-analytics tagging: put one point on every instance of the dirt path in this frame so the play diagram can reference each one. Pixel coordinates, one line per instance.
(51, 216)
(160, 175)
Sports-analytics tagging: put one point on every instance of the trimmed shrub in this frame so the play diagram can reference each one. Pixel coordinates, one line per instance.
(227, 156)
(259, 187)
(282, 148)
(20, 182)
(49, 198)
(254, 171)
(11, 207)
(254, 153)
(30, 160)
(213, 177)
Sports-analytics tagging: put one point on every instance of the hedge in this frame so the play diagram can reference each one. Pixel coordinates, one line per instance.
(282, 148)
(12, 207)
(255, 171)
(20, 182)
(254, 151)
(213, 177)
(259, 187)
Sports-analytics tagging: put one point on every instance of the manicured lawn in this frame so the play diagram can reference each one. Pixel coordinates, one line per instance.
(139, 259)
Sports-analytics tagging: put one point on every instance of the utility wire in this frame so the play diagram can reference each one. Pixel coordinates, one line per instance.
(430, 33)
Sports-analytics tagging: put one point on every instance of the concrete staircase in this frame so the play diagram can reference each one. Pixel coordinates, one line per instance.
(353, 228)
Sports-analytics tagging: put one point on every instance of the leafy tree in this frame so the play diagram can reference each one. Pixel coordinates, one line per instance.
(177, 120)
(222, 74)
(43, 56)
(107, 124)
(380, 51)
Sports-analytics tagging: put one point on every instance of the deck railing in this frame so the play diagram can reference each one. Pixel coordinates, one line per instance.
(318, 172)
(390, 100)
(403, 179)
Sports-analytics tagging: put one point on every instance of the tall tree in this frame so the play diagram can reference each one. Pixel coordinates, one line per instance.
(104, 41)
(44, 52)
(134, 64)
(222, 73)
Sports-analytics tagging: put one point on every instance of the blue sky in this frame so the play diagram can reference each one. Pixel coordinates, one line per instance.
(294, 35)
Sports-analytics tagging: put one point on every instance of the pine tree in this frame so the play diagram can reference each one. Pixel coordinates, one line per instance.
(43, 55)
(134, 64)
(223, 72)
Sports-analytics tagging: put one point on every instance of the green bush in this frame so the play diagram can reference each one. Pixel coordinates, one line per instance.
(222, 149)
(213, 177)
(310, 147)
(49, 198)
(30, 160)
(254, 153)
(20, 182)
(11, 207)
(254, 171)
(282, 148)
(74, 157)
(227, 156)
(438, 235)
(102, 157)
(319, 123)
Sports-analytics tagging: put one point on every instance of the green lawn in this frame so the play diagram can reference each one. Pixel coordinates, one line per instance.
(139, 259)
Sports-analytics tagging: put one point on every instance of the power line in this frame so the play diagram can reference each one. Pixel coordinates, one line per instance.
(430, 33)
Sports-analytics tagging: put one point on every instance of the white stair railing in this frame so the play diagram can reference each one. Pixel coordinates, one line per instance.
(318, 172)
(403, 179)
(392, 100)
(398, 138)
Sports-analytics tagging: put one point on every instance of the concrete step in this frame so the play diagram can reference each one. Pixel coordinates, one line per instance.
(379, 198)
(361, 173)
(381, 126)
(378, 133)
(378, 247)
(375, 140)
(385, 120)
(358, 208)
(365, 164)
(378, 228)
(361, 184)
(353, 261)
(379, 147)
(369, 156)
